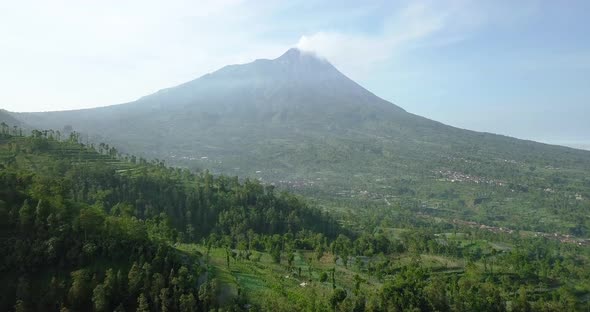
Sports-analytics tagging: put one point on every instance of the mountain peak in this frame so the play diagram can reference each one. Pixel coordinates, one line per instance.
(298, 79)
(295, 55)
(291, 53)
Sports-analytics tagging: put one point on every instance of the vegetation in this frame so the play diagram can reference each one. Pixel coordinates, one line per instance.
(85, 228)
(102, 230)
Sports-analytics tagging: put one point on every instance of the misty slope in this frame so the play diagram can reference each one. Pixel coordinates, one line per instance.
(298, 118)
(8, 119)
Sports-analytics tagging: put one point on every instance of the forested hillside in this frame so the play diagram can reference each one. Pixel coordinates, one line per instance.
(8, 122)
(86, 228)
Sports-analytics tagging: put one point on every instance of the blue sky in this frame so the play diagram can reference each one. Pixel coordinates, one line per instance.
(520, 68)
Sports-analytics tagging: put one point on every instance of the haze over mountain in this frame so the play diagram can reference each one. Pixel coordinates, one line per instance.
(296, 118)
(8, 119)
(358, 156)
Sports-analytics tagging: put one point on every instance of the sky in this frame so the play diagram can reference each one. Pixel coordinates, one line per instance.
(519, 68)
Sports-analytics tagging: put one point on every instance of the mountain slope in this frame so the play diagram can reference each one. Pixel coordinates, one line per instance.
(9, 120)
(294, 97)
(74, 218)
(297, 121)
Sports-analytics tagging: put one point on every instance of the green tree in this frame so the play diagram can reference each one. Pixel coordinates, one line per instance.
(436, 294)
(338, 295)
(187, 303)
(333, 272)
(164, 297)
(207, 295)
(20, 306)
(99, 298)
(142, 304)
(158, 283)
(521, 304)
(110, 285)
(135, 278)
(323, 277)
(290, 259)
(26, 214)
(80, 291)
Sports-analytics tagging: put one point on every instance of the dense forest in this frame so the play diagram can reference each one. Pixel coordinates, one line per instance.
(86, 228)
(83, 229)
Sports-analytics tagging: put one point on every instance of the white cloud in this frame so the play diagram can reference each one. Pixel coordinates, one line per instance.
(358, 53)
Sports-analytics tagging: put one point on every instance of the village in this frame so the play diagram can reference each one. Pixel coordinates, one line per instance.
(454, 176)
(562, 238)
